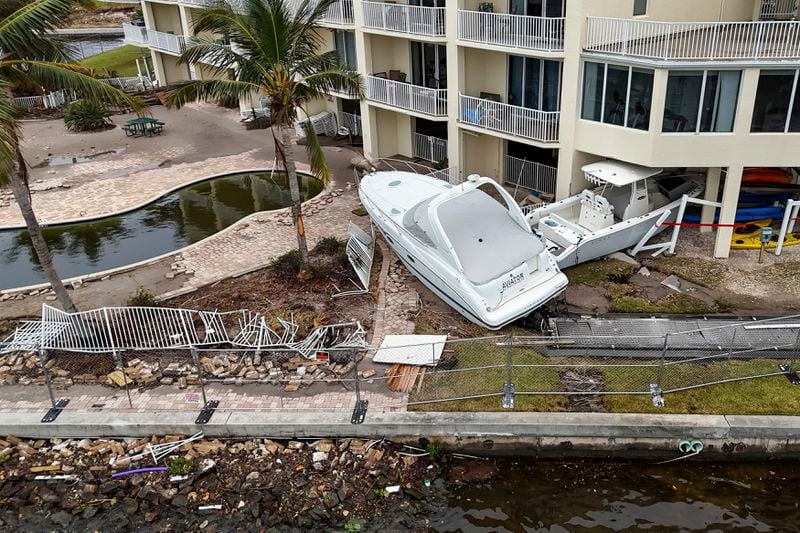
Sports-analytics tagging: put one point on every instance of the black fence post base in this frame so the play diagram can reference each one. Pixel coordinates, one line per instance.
(359, 412)
(54, 411)
(207, 412)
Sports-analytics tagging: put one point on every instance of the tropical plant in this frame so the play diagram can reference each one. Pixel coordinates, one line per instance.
(276, 53)
(31, 56)
(87, 115)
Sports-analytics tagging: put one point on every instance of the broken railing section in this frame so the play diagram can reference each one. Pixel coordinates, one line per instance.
(360, 253)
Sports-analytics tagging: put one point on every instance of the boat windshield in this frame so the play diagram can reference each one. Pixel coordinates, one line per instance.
(487, 241)
(416, 222)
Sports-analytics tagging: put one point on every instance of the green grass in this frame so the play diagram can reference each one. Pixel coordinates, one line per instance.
(623, 299)
(703, 272)
(119, 61)
(597, 273)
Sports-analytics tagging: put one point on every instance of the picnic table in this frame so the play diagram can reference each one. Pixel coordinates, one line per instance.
(137, 127)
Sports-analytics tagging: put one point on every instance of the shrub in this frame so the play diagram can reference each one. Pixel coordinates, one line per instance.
(86, 115)
(328, 246)
(288, 264)
(180, 466)
(142, 298)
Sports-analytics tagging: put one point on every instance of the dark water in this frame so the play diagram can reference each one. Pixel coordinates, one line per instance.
(172, 222)
(567, 497)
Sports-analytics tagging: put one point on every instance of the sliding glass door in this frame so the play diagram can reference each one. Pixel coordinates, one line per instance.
(534, 83)
(537, 8)
(428, 65)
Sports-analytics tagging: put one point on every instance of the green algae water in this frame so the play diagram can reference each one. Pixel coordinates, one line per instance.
(549, 496)
(176, 220)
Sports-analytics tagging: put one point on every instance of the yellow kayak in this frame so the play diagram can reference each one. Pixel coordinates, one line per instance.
(740, 242)
(750, 229)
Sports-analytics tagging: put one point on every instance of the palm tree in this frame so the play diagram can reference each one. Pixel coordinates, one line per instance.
(31, 56)
(275, 52)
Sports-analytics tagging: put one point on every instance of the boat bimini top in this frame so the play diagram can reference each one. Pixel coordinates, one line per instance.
(484, 238)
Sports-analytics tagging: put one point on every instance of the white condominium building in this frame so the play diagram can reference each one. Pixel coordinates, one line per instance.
(532, 90)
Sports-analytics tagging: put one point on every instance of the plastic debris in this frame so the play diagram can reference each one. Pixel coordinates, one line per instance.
(216, 507)
(392, 489)
(59, 477)
(175, 479)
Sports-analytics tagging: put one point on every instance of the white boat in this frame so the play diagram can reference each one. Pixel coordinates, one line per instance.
(615, 216)
(475, 252)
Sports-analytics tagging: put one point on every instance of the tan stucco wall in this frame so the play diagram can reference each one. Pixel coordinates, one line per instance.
(670, 10)
(388, 53)
(172, 70)
(483, 154)
(166, 18)
(485, 71)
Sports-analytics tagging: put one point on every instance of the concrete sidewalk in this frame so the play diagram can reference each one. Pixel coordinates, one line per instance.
(543, 434)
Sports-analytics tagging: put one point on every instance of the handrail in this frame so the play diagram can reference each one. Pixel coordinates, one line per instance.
(419, 20)
(506, 118)
(518, 31)
(431, 102)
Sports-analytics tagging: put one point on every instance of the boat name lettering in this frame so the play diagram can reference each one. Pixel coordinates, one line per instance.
(513, 280)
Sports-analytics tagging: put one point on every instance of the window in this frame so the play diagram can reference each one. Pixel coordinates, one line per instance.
(429, 65)
(775, 97)
(345, 44)
(639, 8)
(534, 83)
(618, 95)
(701, 101)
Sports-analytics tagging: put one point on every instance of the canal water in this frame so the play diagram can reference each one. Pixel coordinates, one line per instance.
(544, 496)
(172, 222)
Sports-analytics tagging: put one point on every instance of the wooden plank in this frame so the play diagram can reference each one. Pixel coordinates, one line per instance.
(421, 378)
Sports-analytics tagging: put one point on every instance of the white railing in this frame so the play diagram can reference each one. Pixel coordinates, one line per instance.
(429, 148)
(340, 12)
(518, 31)
(29, 101)
(530, 175)
(450, 175)
(166, 42)
(352, 123)
(778, 9)
(130, 84)
(531, 124)
(134, 34)
(418, 20)
(694, 40)
(431, 102)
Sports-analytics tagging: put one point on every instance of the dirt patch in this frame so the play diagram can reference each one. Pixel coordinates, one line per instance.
(583, 381)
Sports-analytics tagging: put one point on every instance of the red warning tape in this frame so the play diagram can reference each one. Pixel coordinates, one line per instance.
(710, 225)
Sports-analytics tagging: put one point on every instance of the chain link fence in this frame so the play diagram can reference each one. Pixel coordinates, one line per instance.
(554, 372)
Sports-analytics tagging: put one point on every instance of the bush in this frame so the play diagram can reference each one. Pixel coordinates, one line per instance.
(328, 246)
(86, 115)
(288, 264)
(142, 298)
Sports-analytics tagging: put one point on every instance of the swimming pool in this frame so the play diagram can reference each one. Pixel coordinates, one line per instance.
(170, 223)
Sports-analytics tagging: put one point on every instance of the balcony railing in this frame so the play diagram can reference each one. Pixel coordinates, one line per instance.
(166, 42)
(530, 175)
(418, 20)
(429, 148)
(531, 124)
(134, 34)
(423, 100)
(778, 9)
(340, 13)
(517, 31)
(694, 41)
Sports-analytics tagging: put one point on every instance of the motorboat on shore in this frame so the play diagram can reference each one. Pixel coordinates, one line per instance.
(615, 216)
(469, 243)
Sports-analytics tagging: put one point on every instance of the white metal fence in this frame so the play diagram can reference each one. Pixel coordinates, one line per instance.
(166, 42)
(429, 148)
(29, 101)
(449, 174)
(530, 175)
(352, 123)
(419, 20)
(134, 34)
(340, 12)
(518, 31)
(778, 9)
(532, 124)
(130, 84)
(694, 40)
(431, 102)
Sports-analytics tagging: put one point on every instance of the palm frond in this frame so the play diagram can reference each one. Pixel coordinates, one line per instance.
(24, 33)
(55, 76)
(215, 55)
(186, 92)
(9, 115)
(316, 157)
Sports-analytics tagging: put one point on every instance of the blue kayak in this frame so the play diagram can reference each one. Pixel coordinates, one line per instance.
(746, 214)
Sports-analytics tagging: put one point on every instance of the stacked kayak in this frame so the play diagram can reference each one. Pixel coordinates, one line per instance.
(765, 175)
(746, 214)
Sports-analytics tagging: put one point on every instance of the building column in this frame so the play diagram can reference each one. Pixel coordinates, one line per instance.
(711, 194)
(727, 214)
(455, 84)
(187, 29)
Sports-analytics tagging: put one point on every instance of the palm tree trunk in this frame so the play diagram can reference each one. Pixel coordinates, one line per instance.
(18, 179)
(285, 149)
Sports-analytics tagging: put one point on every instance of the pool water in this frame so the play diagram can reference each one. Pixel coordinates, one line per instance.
(176, 220)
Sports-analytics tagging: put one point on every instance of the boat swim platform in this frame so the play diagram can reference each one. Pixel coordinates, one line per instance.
(684, 337)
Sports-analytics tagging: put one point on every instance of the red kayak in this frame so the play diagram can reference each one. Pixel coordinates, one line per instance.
(766, 175)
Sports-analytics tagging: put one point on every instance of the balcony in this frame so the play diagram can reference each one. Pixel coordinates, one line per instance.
(429, 102)
(778, 9)
(694, 41)
(415, 20)
(516, 31)
(134, 34)
(166, 42)
(339, 14)
(533, 124)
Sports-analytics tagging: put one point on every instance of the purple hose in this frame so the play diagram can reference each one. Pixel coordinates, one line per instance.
(140, 471)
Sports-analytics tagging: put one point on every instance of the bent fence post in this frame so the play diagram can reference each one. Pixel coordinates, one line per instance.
(360, 409)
